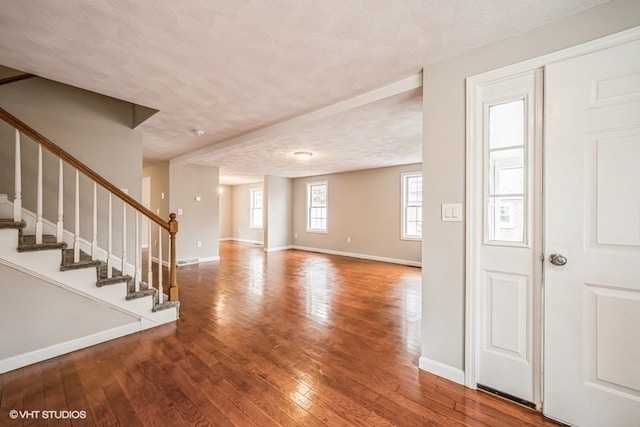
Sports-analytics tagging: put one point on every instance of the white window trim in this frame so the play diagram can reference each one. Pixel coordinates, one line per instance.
(317, 230)
(251, 208)
(403, 207)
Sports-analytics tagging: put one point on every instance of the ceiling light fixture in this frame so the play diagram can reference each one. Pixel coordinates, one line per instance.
(198, 132)
(303, 155)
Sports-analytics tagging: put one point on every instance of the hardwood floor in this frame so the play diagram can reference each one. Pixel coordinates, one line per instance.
(286, 338)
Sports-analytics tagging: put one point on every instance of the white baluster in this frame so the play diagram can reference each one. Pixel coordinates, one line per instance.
(60, 225)
(17, 202)
(76, 237)
(110, 240)
(39, 198)
(136, 279)
(149, 252)
(124, 238)
(160, 296)
(94, 240)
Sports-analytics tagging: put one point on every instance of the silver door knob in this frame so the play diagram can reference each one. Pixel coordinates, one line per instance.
(557, 259)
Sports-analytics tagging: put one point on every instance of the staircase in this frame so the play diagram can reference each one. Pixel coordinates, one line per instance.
(50, 253)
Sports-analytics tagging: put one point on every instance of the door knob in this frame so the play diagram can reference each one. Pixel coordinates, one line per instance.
(557, 259)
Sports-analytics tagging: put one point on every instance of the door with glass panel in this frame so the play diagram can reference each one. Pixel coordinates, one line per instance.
(507, 213)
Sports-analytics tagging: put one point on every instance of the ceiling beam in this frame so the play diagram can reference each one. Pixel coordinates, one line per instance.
(410, 83)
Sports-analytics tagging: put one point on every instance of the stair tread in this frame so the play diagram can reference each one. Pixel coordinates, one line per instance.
(9, 223)
(165, 306)
(27, 242)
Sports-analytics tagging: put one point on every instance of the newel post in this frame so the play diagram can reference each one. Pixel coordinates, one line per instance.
(173, 266)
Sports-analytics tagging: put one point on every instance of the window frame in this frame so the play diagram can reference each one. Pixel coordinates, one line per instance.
(492, 221)
(405, 176)
(310, 205)
(253, 208)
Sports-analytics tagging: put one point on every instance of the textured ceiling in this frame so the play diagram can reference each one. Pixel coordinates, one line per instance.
(230, 67)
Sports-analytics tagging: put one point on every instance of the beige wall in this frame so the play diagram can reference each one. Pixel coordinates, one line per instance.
(159, 178)
(444, 163)
(364, 206)
(95, 129)
(226, 213)
(199, 219)
(278, 195)
(241, 204)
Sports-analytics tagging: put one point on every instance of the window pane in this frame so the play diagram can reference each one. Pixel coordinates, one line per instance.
(256, 220)
(318, 195)
(412, 205)
(506, 219)
(506, 124)
(506, 172)
(414, 190)
(257, 198)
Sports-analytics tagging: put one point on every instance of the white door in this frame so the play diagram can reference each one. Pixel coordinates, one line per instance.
(592, 218)
(507, 241)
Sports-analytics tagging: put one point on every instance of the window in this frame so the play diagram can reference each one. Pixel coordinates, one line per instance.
(506, 168)
(317, 206)
(412, 205)
(256, 208)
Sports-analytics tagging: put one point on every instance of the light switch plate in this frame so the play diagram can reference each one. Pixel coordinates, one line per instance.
(452, 212)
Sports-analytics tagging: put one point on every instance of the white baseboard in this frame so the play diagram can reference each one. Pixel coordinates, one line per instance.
(165, 263)
(225, 239)
(253, 242)
(361, 256)
(276, 249)
(440, 369)
(15, 362)
(208, 259)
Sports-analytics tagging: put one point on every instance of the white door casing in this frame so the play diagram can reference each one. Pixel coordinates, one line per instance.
(506, 270)
(592, 217)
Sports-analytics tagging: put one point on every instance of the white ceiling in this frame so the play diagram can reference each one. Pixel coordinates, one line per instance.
(232, 68)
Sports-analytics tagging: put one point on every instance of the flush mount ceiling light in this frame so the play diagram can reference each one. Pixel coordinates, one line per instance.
(198, 132)
(303, 155)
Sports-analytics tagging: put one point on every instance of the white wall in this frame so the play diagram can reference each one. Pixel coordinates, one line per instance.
(444, 164)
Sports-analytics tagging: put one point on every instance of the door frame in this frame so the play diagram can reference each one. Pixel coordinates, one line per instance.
(472, 201)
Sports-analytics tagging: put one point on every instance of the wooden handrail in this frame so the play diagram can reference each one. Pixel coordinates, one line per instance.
(49, 145)
(17, 78)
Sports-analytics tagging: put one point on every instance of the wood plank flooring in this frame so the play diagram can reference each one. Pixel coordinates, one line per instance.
(281, 339)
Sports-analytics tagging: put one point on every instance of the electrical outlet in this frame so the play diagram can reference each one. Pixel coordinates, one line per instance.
(295, 235)
(348, 239)
(199, 244)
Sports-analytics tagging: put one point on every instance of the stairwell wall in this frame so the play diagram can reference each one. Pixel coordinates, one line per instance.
(94, 128)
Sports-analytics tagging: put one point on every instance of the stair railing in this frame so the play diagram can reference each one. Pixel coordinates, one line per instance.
(170, 226)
